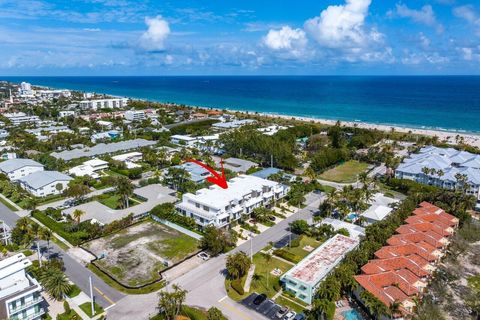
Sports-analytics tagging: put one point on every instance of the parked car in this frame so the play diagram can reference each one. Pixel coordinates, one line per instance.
(290, 315)
(259, 299)
(299, 316)
(281, 313)
(203, 255)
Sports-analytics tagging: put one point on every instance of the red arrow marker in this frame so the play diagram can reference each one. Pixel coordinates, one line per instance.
(218, 179)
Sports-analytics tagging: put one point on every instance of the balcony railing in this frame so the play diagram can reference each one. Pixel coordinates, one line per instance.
(32, 316)
(27, 304)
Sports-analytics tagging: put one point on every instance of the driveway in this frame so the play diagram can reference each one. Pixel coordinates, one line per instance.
(155, 194)
(205, 284)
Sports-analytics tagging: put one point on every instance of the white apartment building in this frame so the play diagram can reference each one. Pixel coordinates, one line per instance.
(20, 297)
(305, 277)
(218, 207)
(183, 140)
(18, 118)
(135, 115)
(15, 169)
(113, 103)
(45, 183)
(444, 168)
(89, 168)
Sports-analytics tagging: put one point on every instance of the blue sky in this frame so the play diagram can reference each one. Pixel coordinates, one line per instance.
(124, 37)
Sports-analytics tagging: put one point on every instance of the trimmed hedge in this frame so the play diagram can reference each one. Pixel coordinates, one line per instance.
(237, 286)
(287, 255)
(56, 227)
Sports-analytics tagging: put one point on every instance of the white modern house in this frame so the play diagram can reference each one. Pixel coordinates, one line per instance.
(18, 118)
(129, 159)
(89, 168)
(218, 207)
(15, 169)
(104, 103)
(443, 167)
(20, 297)
(135, 115)
(66, 113)
(45, 183)
(183, 140)
(38, 132)
(304, 278)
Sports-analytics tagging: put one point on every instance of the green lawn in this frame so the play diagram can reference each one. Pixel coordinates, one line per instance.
(72, 315)
(267, 282)
(297, 307)
(175, 248)
(346, 172)
(298, 251)
(87, 308)
(113, 200)
(8, 204)
(75, 291)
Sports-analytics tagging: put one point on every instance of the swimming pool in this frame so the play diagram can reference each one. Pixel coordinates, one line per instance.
(352, 216)
(352, 314)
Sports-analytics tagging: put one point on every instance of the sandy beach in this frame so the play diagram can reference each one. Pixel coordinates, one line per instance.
(444, 135)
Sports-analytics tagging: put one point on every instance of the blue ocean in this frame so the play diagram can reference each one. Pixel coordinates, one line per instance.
(436, 102)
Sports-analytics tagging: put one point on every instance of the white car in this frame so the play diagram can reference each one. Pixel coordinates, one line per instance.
(290, 315)
(204, 256)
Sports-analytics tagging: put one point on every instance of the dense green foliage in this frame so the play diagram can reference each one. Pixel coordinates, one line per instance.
(254, 145)
(167, 211)
(217, 241)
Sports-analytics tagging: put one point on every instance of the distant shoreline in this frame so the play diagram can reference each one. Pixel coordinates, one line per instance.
(471, 138)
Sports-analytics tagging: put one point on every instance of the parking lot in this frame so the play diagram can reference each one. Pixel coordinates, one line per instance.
(267, 308)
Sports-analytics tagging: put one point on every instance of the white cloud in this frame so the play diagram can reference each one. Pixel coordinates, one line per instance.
(154, 38)
(468, 14)
(425, 15)
(424, 40)
(342, 25)
(470, 54)
(285, 38)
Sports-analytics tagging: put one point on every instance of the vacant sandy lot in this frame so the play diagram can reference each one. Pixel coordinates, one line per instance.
(136, 255)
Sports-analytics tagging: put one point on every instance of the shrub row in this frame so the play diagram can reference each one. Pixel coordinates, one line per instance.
(287, 255)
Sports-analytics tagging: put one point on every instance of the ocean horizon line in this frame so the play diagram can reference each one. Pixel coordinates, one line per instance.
(440, 103)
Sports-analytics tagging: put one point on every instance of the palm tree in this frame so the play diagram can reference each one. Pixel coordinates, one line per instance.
(77, 214)
(124, 188)
(55, 283)
(46, 234)
(256, 278)
(394, 308)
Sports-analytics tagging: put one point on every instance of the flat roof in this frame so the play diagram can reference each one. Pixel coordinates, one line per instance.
(219, 198)
(314, 267)
(102, 148)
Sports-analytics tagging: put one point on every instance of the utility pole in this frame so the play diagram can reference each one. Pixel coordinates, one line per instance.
(271, 160)
(91, 295)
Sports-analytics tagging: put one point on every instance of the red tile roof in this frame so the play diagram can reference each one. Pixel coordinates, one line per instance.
(400, 268)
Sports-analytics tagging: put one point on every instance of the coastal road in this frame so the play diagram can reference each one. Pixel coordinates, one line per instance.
(205, 284)
(76, 272)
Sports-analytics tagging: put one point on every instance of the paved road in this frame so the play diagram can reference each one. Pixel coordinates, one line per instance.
(104, 294)
(205, 283)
